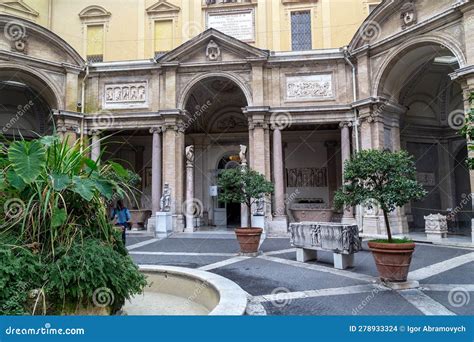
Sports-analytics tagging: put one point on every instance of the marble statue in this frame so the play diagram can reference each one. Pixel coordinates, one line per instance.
(190, 155)
(165, 201)
(243, 155)
(260, 207)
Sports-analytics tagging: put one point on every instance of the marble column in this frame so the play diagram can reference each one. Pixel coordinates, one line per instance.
(244, 220)
(173, 168)
(278, 174)
(348, 216)
(95, 146)
(189, 206)
(468, 88)
(331, 152)
(156, 170)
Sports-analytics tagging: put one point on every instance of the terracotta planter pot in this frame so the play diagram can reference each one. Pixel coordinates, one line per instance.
(249, 239)
(392, 260)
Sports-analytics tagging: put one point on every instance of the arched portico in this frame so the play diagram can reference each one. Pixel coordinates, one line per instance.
(422, 115)
(28, 98)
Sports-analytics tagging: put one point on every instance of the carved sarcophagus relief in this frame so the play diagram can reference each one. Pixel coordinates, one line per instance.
(334, 237)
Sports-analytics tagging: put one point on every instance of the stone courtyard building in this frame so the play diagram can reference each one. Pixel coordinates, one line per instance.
(297, 93)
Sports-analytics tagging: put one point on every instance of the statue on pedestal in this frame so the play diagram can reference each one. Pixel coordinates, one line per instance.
(165, 201)
(190, 155)
(243, 155)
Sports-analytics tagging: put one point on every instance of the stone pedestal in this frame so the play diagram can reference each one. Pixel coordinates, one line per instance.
(151, 225)
(436, 226)
(303, 255)
(343, 261)
(258, 221)
(163, 225)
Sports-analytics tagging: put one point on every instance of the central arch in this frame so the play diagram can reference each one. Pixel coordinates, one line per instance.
(183, 99)
(216, 125)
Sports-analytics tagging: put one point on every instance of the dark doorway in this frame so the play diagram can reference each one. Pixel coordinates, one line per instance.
(233, 215)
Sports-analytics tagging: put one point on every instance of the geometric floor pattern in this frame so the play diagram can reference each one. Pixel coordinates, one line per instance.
(279, 285)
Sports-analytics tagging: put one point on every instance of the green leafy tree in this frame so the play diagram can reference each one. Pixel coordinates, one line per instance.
(379, 177)
(244, 186)
(468, 131)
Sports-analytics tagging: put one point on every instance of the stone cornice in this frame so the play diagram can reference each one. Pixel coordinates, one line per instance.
(39, 62)
(426, 25)
(462, 73)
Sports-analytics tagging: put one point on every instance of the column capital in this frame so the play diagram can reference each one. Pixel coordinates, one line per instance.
(157, 130)
(171, 127)
(345, 124)
(93, 132)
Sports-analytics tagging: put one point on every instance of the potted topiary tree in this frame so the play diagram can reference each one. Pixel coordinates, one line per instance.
(388, 180)
(244, 186)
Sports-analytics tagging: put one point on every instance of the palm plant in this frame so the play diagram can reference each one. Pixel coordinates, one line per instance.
(53, 205)
(54, 193)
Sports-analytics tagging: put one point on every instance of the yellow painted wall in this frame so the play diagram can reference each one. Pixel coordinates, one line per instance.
(131, 33)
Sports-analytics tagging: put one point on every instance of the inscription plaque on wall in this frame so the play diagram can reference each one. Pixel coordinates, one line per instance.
(309, 87)
(307, 177)
(126, 95)
(237, 24)
(426, 178)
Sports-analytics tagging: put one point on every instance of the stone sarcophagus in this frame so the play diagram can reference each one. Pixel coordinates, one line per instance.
(309, 237)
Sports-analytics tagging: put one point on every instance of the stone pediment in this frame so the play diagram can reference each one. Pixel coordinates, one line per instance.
(213, 46)
(94, 12)
(18, 6)
(162, 7)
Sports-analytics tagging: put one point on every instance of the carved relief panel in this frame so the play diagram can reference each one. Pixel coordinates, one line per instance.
(309, 87)
(126, 95)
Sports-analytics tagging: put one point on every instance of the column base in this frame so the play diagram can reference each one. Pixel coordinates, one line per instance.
(151, 225)
(178, 223)
(189, 229)
(278, 227)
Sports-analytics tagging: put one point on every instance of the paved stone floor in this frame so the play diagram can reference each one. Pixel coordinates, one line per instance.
(279, 285)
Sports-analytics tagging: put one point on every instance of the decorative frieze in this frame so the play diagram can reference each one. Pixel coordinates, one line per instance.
(309, 87)
(126, 95)
(306, 177)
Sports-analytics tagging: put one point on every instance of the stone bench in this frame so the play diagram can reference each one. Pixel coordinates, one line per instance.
(342, 240)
